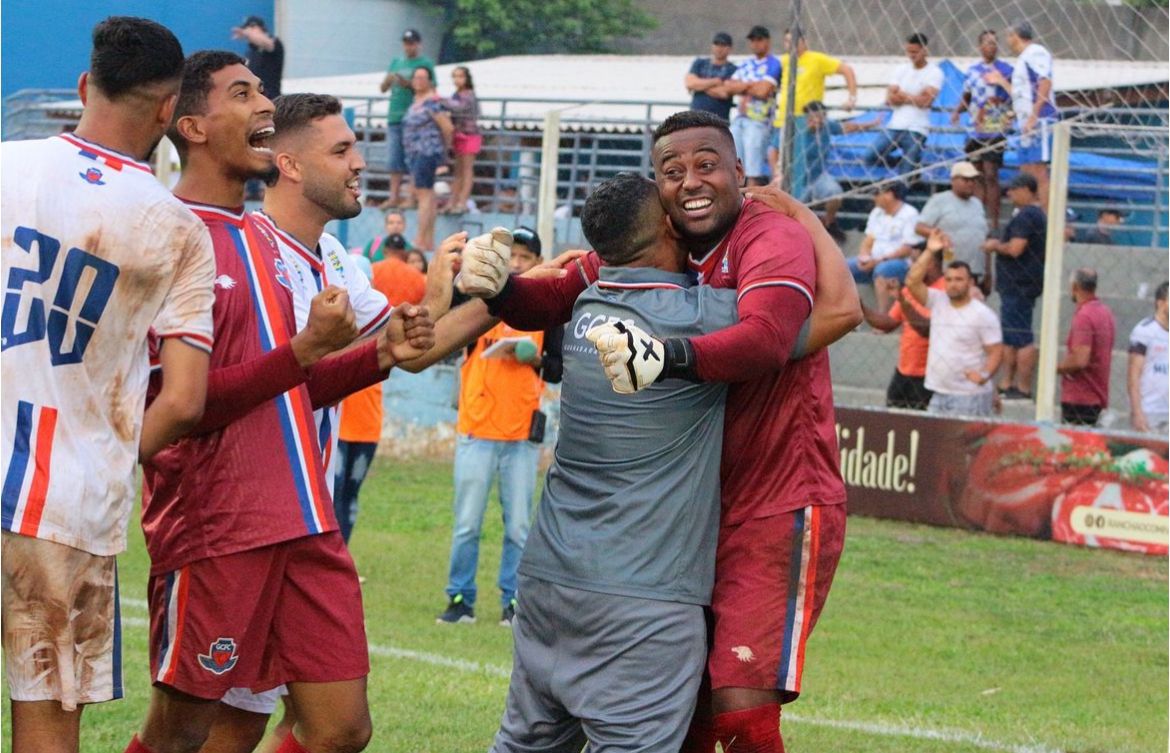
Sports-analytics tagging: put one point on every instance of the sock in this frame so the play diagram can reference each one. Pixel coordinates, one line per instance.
(755, 730)
(701, 734)
(136, 746)
(290, 745)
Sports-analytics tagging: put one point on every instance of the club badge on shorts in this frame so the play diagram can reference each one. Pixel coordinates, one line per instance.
(220, 656)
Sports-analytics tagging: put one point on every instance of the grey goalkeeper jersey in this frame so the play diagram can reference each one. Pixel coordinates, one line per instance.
(631, 502)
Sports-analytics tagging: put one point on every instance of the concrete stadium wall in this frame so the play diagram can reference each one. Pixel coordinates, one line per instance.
(1102, 31)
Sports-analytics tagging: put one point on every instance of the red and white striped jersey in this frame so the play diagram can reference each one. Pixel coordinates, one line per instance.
(309, 272)
(96, 252)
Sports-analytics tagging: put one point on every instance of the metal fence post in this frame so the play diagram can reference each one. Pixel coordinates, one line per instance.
(1053, 274)
(549, 163)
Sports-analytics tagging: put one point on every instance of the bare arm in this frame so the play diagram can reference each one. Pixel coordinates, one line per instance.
(1076, 359)
(761, 89)
(1137, 362)
(915, 320)
(1013, 247)
(916, 277)
(923, 229)
(850, 76)
(994, 359)
(179, 404)
(924, 98)
(880, 321)
(443, 121)
(695, 83)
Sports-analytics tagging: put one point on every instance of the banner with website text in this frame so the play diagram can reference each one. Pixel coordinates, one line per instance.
(1079, 487)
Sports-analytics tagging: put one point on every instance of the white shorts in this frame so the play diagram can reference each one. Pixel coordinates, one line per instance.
(62, 632)
(258, 703)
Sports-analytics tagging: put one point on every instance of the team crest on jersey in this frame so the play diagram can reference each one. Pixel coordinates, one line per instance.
(335, 262)
(725, 268)
(93, 176)
(220, 656)
(282, 273)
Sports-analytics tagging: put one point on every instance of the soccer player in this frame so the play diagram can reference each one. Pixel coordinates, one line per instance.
(624, 541)
(251, 584)
(783, 514)
(96, 252)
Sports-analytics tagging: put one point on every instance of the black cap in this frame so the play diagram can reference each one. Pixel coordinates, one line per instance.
(815, 106)
(898, 188)
(759, 32)
(396, 241)
(722, 38)
(254, 21)
(411, 35)
(528, 238)
(1023, 180)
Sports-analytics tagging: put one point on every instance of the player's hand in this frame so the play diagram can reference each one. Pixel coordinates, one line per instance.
(407, 335)
(632, 358)
(441, 274)
(556, 267)
(937, 241)
(955, 118)
(784, 203)
(485, 264)
(1139, 420)
(331, 326)
(850, 103)
(1030, 124)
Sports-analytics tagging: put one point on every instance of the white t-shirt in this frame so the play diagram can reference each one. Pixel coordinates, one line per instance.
(891, 232)
(310, 271)
(96, 253)
(912, 81)
(1034, 64)
(958, 336)
(1151, 339)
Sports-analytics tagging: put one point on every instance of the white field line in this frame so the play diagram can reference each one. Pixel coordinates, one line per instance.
(881, 729)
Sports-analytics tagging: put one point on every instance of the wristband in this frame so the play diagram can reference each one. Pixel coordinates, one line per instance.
(678, 360)
(496, 302)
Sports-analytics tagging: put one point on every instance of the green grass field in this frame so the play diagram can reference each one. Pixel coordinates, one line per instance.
(932, 640)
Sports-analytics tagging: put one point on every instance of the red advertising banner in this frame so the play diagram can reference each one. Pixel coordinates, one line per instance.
(1080, 487)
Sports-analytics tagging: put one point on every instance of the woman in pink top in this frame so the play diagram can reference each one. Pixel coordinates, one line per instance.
(464, 110)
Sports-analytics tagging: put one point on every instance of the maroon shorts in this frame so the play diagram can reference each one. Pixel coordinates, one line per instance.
(289, 612)
(772, 576)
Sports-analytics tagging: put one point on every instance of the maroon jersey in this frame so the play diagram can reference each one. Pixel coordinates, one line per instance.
(779, 437)
(258, 480)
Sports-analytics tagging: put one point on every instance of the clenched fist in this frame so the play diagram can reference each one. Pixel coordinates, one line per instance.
(485, 263)
(407, 335)
(331, 326)
(632, 358)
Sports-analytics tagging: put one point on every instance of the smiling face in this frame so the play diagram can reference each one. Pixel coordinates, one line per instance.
(420, 80)
(698, 178)
(237, 124)
(331, 167)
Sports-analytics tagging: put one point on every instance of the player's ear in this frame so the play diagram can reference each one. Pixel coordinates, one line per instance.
(166, 109)
(190, 127)
(740, 178)
(288, 166)
(670, 230)
(83, 88)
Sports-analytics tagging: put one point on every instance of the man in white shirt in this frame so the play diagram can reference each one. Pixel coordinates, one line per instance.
(959, 213)
(889, 239)
(1149, 370)
(910, 94)
(966, 345)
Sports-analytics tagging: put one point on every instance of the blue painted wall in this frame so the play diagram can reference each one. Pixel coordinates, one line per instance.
(46, 42)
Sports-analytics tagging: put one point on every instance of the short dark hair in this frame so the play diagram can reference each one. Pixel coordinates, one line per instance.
(1115, 212)
(1160, 293)
(197, 73)
(614, 217)
(528, 238)
(957, 264)
(917, 38)
(130, 52)
(815, 106)
(984, 33)
(687, 119)
(294, 112)
(1085, 278)
(1023, 29)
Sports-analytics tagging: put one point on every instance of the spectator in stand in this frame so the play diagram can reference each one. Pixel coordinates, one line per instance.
(707, 79)
(466, 140)
(990, 107)
(959, 213)
(889, 239)
(1019, 279)
(1106, 232)
(755, 81)
(1149, 368)
(810, 156)
(908, 384)
(426, 137)
(379, 246)
(812, 68)
(398, 83)
(1033, 103)
(418, 260)
(911, 93)
(395, 274)
(965, 340)
(265, 54)
(1084, 370)
(500, 428)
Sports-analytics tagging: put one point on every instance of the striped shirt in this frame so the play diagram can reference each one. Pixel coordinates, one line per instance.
(259, 480)
(96, 253)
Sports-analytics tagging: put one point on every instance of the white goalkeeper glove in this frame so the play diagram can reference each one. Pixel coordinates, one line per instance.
(632, 358)
(484, 267)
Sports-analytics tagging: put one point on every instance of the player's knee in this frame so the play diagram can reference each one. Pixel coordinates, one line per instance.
(345, 735)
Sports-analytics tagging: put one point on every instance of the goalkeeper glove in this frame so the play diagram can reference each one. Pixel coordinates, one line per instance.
(484, 265)
(633, 359)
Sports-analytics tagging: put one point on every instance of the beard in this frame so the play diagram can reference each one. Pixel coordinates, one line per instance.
(338, 204)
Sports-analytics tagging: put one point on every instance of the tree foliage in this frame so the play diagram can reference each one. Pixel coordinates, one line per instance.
(489, 28)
